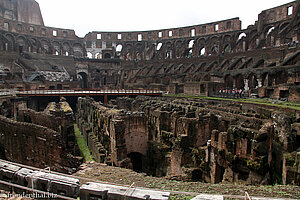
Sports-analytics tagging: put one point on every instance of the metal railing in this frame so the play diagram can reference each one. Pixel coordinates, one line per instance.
(108, 91)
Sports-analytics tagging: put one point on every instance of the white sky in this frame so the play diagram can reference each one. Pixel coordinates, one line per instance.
(139, 15)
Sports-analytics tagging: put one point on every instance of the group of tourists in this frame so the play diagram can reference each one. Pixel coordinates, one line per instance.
(234, 93)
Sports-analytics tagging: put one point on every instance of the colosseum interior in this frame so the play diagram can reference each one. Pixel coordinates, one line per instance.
(194, 126)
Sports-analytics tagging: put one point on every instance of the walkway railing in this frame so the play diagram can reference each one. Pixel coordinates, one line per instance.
(86, 92)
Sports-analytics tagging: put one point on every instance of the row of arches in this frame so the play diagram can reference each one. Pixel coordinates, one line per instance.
(218, 44)
(11, 42)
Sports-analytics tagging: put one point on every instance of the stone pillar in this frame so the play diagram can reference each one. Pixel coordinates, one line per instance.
(259, 82)
(246, 84)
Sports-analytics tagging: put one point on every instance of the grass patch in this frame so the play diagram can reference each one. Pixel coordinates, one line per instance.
(84, 150)
(290, 105)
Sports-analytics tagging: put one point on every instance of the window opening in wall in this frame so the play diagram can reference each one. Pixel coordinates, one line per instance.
(290, 10)
(159, 46)
(99, 36)
(119, 36)
(216, 27)
(203, 29)
(270, 30)
(180, 32)
(193, 32)
(228, 25)
(54, 33)
(43, 31)
(89, 55)
(6, 26)
(191, 44)
(149, 34)
(31, 29)
(67, 53)
(19, 27)
(170, 33)
(202, 51)
(56, 53)
(159, 34)
(242, 35)
(129, 36)
(119, 48)
(140, 37)
(65, 33)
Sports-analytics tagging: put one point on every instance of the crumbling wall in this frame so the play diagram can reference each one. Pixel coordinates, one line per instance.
(35, 145)
(200, 139)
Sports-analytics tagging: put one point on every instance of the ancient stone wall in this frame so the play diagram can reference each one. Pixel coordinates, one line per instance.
(196, 139)
(34, 145)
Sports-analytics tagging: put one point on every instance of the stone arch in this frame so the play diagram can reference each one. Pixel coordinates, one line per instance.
(179, 50)
(201, 43)
(281, 77)
(207, 77)
(253, 39)
(83, 79)
(78, 50)
(137, 160)
(283, 25)
(166, 80)
(45, 46)
(22, 43)
(168, 50)
(253, 83)
(189, 50)
(228, 80)
(66, 48)
(239, 81)
(128, 52)
(241, 44)
(266, 79)
(107, 55)
(35, 45)
(214, 45)
(56, 48)
(9, 42)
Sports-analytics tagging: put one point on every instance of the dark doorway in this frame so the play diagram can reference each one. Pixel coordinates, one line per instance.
(284, 94)
(59, 86)
(136, 160)
(84, 81)
(197, 175)
(107, 55)
(2, 153)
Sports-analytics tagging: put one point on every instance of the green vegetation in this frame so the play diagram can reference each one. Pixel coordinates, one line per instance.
(84, 150)
(290, 105)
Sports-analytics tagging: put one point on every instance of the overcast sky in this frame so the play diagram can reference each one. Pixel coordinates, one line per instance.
(139, 15)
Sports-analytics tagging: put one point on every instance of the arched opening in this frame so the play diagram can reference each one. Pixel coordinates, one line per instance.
(228, 82)
(239, 81)
(159, 46)
(5, 109)
(270, 30)
(202, 51)
(191, 43)
(119, 48)
(84, 80)
(107, 55)
(137, 161)
(253, 83)
(227, 48)
(89, 55)
(196, 175)
(242, 35)
(98, 56)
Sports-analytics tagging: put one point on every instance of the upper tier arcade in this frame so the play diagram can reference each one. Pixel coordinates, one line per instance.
(22, 29)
